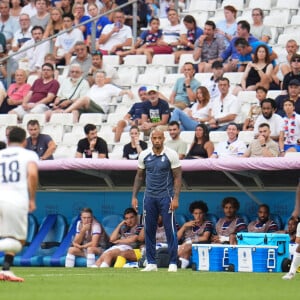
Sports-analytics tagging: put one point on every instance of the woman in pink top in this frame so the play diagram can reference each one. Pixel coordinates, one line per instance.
(15, 93)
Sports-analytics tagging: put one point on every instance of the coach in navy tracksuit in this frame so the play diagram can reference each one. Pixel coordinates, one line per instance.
(162, 169)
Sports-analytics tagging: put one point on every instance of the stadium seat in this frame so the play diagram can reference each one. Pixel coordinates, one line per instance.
(202, 5)
(295, 20)
(111, 60)
(8, 119)
(212, 217)
(71, 139)
(150, 79)
(50, 235)
(246, 136)
(110, 222)
(32, 78)
(278, 17)
(277, 219)
(154, 72)
(32, 230)
(65, 151)
(187, 136)
(166, 60)
(172, 78)
(117, 152)
(238, 4)
(93, 118)
(218, 136)
(136, 60)
(202, 77)
(41, 118)
(59, 256)
(264, 5)
(234, 77)
(65, 119)
(292, 5)
(56, 131)
(180, 219)
(245, 217)
(284, 37)
(128, 75)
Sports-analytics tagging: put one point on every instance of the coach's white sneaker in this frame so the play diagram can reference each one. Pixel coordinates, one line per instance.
(150, 268)
(288, 276)
(172, 268)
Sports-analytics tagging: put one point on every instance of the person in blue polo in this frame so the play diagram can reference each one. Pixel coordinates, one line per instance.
(161, 168)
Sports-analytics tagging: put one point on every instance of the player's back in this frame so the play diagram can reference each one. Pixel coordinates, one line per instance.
(13, 170)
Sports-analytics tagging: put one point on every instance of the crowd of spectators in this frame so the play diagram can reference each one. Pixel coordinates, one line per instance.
(201, 107)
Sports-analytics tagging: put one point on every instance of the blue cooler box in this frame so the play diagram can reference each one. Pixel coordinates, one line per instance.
(208, 257)
(254, 258)
(280, 240)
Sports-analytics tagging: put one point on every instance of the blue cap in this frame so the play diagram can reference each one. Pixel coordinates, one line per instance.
(142, 89)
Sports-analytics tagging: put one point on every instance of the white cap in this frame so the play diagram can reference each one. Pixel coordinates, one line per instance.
(152, 89)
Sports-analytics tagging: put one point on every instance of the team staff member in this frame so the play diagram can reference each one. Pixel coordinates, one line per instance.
(162, 169)
(19, 175)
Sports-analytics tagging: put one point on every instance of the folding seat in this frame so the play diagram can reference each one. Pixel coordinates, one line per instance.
(8, 119)
(202, 77)
(151, 78)
(128, 74)
(110, 222)
(180, 219)
(212, 217)
(167, 60)
(152, 70)
(59, 256)
(291, 29)
(51, 233)
(246, 136)
(92, 118)
(278, 17)
(234, 77)
(295, 20)
(202, 5)
(136, 60)
(65, 119)
(111, 60)
(71, 139)
(187, 136)
(32, 78)
(292, 5)
(41, 118)
(284, 37)
(65, 151)
(264, 5)
(56, 131)
(218, 136)
(238, 4)
(185, 57)
(31, 232)
(172, 78)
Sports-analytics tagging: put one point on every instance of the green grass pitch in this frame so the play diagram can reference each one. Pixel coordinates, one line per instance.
(124, 284)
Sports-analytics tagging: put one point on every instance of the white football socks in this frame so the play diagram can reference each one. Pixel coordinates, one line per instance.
(70, 261)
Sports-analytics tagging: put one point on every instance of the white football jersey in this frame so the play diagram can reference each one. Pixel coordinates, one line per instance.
(13, 170)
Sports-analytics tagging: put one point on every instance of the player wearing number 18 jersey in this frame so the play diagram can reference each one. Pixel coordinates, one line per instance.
(18, 183)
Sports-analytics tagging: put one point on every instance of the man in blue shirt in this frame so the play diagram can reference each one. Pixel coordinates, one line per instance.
(155, 112)
(230, 54)
(161, 168)
(246, 50)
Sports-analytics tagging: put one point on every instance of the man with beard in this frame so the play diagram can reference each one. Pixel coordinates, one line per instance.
(176, 143)
(263, 145)
(293, 94)
(263, 223)
(268, 116)
(155, 112)
(34, 56)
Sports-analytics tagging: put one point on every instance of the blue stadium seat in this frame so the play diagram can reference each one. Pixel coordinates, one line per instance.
(245, 217)
(277, 219)
(47, 240)
(213, 218)
(31, 232)
(180, 219)
(110, 222)
(59, 256)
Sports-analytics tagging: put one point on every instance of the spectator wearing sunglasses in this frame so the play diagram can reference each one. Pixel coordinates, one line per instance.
(295, 71)
(225, 108)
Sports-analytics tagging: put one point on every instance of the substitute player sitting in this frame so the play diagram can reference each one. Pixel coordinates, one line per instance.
(90, 239)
